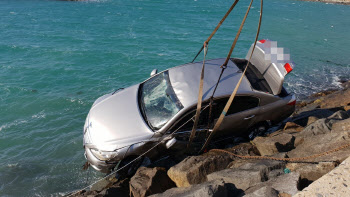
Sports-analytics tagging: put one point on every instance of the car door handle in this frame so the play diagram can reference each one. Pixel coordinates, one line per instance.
(249, 117)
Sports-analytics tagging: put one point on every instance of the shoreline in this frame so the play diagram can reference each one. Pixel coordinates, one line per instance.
(340, 2)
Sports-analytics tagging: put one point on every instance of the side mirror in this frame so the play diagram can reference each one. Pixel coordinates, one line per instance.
(170, 143)
(154, 71)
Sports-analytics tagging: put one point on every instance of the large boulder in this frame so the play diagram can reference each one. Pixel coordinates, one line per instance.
(271, 145)
(302, 117)
(265, 191)
(243, 149)
(249, 174)
(268, 168)
(334, 183)
(321, 143)
(287, 184)
(148, 181)
(217, 188)
(324, 125)
(343, 125)
(293, 126)
(194, 170)
(242, 179)
(337, 99)
(310, 172)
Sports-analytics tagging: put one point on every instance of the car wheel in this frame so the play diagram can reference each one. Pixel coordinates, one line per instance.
(257, 130)
(130, 170)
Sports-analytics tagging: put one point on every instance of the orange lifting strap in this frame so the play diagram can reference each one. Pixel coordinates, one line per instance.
(229, 102)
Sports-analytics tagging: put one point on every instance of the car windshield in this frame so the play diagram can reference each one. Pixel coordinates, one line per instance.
(158, 100)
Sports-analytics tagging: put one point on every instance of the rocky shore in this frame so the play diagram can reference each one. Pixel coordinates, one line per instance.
(319, 124)
(345, 2)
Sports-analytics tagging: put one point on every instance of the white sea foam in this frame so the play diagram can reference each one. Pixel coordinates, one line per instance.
(336, 81)
(39, 115)
(11, 165)
(14, 123)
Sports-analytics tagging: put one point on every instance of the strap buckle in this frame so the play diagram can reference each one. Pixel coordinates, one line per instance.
(223, 66)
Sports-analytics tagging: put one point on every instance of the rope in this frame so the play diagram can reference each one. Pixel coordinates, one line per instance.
(216, 28)
(283, 159)
(229, 102)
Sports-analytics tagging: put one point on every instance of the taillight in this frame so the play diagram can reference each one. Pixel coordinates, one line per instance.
(292, 101)
(288, 67)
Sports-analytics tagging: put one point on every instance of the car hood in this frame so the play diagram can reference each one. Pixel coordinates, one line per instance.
(116, 121)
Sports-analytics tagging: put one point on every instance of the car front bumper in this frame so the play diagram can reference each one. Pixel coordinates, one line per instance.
(99, 165)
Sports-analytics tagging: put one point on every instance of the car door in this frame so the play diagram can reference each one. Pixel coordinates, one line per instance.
(240, 116)
(184, 126)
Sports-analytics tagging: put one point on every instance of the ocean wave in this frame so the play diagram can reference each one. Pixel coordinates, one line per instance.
(39, 115)
(14, 123)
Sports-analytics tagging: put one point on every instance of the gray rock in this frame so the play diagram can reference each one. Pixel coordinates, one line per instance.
(321, 143)
(339, 115)
(320, 126)
(323, 125)
(115, 191)
(302, 118)
(275, 173)
(217, 188)
(103, 183)
(249, 174)
(287, 183)
(271, 145)
(343, 125)
(311, 120)
(264, 192)
(194, 170)
(293, 126)
(337, 99)
(242, 179)
(264, 166)
(311, 172)
(148, 181)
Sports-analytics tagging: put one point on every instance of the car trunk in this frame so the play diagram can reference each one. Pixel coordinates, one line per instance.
(271, 64)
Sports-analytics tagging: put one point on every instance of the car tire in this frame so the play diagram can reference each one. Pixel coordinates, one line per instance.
(258, 129)
(130, 170)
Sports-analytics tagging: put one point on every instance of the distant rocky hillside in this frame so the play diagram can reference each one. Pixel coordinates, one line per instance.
(320, 123)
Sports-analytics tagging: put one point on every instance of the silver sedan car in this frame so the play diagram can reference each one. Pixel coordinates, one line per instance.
(126, 123)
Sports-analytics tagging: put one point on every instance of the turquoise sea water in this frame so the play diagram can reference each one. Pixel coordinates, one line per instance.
(57, 57)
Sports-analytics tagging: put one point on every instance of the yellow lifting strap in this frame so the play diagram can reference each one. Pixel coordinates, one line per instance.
(216, 28)
(200, 93)
(229, 102)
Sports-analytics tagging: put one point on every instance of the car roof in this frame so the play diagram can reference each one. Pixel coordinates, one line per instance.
(185, 80)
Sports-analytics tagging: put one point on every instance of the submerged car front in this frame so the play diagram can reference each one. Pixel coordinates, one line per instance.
(122, 124)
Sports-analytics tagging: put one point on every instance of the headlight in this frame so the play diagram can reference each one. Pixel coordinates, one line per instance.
(104, 155)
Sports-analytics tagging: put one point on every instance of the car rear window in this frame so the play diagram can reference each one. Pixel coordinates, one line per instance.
(255, 78)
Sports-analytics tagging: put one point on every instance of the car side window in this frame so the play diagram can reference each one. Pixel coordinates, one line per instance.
(188, 124)
(240, 103)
